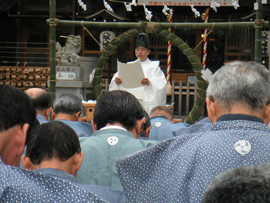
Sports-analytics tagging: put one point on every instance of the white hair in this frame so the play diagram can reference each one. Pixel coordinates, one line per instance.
(245, 83)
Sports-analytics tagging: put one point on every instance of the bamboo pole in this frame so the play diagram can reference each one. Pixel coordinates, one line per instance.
(52, 48)
(258, 37)
(218, 25)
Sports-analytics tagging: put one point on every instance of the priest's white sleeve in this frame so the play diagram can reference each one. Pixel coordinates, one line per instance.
(155, 93)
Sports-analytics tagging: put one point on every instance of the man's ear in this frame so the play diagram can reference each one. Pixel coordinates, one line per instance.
(26, 162)
(266, 116)
(211, 111)
(146, 132)
(78, 161)
(94, 126)
(138, 126)
(47, 112)
(148, 52)
(77, 115)
(20, 139)
(53, 114)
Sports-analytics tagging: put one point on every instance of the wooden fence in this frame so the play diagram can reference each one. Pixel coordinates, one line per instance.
(184, 95)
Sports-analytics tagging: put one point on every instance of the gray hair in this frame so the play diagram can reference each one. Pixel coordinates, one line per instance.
(246, 83)
(162, 111)
(249, 184)
(67, 103)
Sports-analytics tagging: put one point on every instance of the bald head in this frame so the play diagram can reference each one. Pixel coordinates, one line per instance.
(33, 93)
(41, 99)
(162, 111)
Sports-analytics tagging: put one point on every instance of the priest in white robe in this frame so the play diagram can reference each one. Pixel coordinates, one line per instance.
(153, 90)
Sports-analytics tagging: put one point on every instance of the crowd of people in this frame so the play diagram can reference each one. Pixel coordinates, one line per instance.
(221, 158)
(133, 151)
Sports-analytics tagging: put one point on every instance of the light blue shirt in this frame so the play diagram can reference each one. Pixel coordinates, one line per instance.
(162, 128)
(41, 119)
(83, 129)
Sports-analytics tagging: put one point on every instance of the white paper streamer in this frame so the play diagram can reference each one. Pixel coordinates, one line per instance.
(128, 5)
(165, 9)
(214, 5)
(82, 4)
(148, 14)
(235, 4)
(107, 6)
(196, 13)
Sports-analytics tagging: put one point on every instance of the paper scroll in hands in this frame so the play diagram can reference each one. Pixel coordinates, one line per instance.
(130, 73)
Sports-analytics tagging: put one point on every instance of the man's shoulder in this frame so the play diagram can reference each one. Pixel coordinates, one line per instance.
(103, 135)
(70, 123)
(106, 193)
(83, 129)
(8, 171)
(151, 64)
(160, 118)
(160, 121)
(200, 133)
(195, 128)
(207, 133)
(41, 119)
(155, 63)
(199, 150)
(116, 136)
(148, 143)
(26, 186)
(84, 126)
(204, 120)
(163, 125)
(108, 132)
(239, 125)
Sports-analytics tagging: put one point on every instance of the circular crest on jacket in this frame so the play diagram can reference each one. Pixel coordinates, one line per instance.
(242, 147)
(113, 140)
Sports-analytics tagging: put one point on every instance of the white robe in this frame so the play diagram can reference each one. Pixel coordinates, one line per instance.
(152, 95)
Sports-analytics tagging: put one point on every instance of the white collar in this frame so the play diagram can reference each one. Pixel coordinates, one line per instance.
(113, 127)
(147, 60)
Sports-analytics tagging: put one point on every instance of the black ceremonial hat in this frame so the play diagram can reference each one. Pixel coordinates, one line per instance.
(142, 40)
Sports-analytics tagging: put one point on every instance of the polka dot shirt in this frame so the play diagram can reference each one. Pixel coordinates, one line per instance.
(19, 185)
(180, 169)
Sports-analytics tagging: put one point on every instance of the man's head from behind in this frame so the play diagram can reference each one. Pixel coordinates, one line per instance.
(41, 100)
(67, 105)
(53, 145)
(240, 185)
(119, 107)
(239, 88)
(162, 111)
(16, 115)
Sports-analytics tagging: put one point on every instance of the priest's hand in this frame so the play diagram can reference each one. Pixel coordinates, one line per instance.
(145, 81)
(118, 80)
